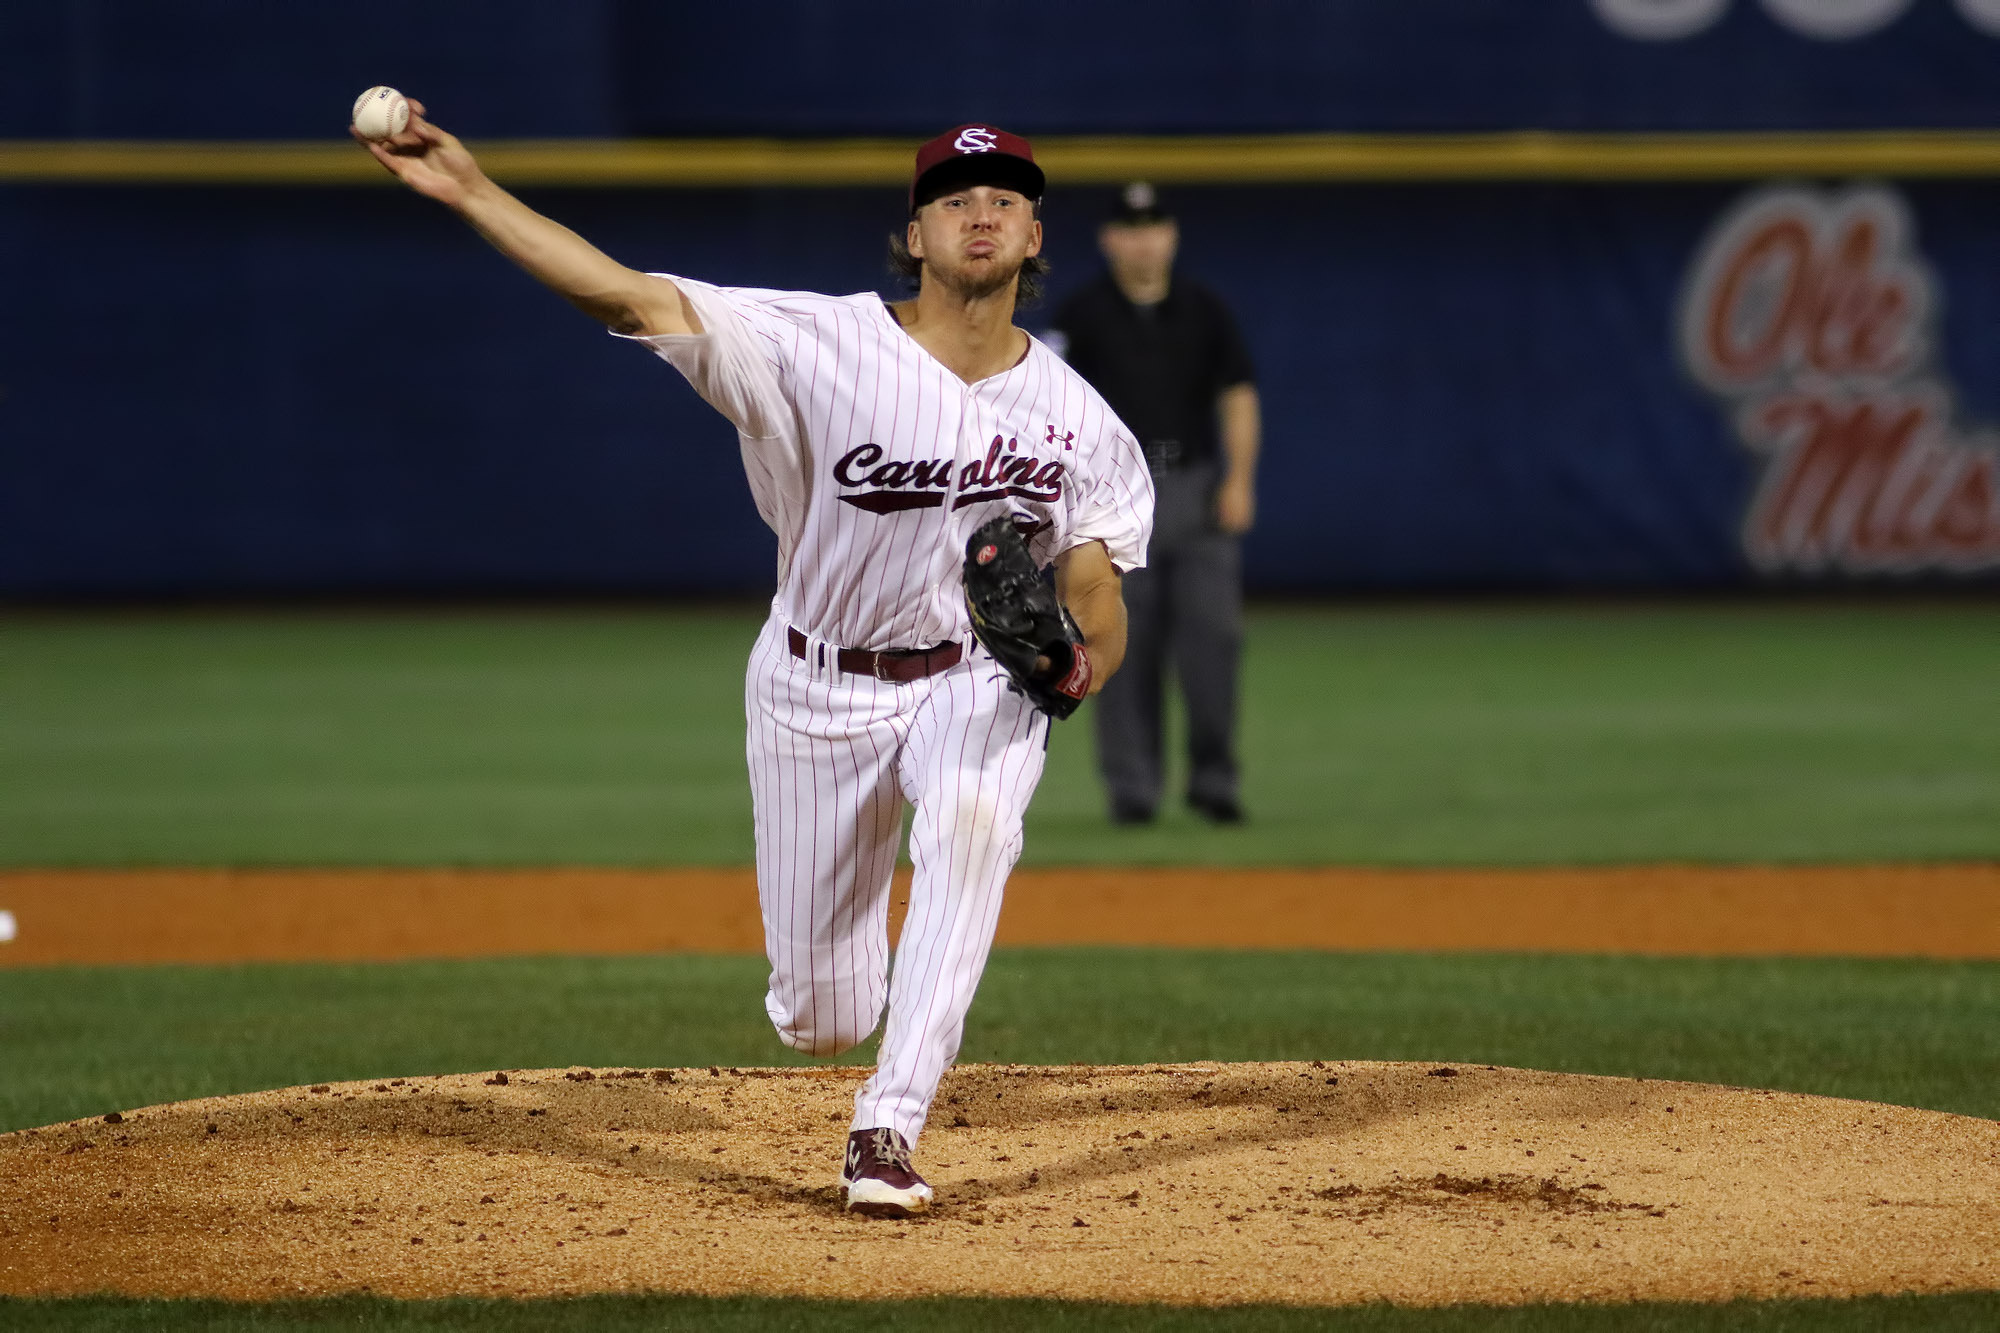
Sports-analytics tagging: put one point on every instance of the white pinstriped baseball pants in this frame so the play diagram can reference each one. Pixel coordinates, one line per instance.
(834, 758)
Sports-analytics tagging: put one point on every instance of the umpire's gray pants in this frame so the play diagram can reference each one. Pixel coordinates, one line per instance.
(1185, 605)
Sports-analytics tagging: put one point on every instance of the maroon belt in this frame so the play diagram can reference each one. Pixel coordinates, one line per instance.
(897, 664)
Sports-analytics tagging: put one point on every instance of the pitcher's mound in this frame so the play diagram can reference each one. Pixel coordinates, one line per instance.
(1299, 1183)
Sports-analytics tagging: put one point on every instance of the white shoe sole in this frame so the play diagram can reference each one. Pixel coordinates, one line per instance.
(877, 1198)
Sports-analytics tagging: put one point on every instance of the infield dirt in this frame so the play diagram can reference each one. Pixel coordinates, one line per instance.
(228, 916)
(1295, 1183)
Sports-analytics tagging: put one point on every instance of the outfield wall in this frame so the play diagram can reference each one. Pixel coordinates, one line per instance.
(267, 391)
(1498, 379)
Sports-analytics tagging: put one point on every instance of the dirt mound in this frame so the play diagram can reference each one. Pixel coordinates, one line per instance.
(1298, 1183)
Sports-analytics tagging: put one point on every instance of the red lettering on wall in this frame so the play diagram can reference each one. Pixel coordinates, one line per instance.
(1809, 314)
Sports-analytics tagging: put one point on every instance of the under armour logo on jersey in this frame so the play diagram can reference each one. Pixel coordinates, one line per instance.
(975, 140)
(1067, 439)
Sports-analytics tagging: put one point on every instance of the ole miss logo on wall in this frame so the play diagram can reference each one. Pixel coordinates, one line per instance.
(1810, 315)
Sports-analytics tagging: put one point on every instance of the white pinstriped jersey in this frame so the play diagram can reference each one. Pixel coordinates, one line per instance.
(873, 463)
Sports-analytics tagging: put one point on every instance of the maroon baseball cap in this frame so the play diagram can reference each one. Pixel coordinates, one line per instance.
(974, 155)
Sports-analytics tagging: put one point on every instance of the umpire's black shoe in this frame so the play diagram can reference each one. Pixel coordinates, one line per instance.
(879, 1178)
(1130, 814)
(1217, 809)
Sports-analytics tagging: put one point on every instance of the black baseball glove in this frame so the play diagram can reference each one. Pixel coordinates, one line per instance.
(1019, 619)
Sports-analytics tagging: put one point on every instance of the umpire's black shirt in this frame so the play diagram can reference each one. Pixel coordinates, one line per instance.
(1160, 367)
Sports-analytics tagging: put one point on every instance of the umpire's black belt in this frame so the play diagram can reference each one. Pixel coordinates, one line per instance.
(896, 664)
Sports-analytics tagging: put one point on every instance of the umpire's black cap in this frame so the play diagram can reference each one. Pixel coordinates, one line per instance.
(1138, 206)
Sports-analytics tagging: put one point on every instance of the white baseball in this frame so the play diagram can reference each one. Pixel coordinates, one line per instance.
(6, 926)
(381, 112)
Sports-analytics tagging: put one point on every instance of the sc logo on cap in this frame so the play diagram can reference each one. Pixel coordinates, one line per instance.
(975, 140)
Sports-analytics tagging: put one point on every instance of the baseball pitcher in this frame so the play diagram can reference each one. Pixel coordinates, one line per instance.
(922, 463)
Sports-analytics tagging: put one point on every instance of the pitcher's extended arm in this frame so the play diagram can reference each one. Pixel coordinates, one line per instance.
(436, 165)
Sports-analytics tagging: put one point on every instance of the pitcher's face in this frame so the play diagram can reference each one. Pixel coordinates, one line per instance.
(973, 241)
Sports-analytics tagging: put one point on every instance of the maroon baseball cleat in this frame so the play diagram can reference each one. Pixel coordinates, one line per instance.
(880, 1181)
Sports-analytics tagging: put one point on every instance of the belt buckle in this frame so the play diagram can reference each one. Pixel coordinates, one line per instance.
(881, 669)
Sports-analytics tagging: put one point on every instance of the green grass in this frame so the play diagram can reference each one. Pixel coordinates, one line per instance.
(374, 739)
(1480, 734)
(1972, 1311)
(83, 1041)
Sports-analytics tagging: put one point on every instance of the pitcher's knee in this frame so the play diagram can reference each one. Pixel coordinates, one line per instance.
(984, 824)
(817, 1041)
(802, 1033)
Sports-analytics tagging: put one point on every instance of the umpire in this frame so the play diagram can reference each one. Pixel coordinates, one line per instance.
(1166, 354)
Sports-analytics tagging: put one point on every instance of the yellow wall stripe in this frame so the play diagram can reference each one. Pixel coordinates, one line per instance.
(1198, 160)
